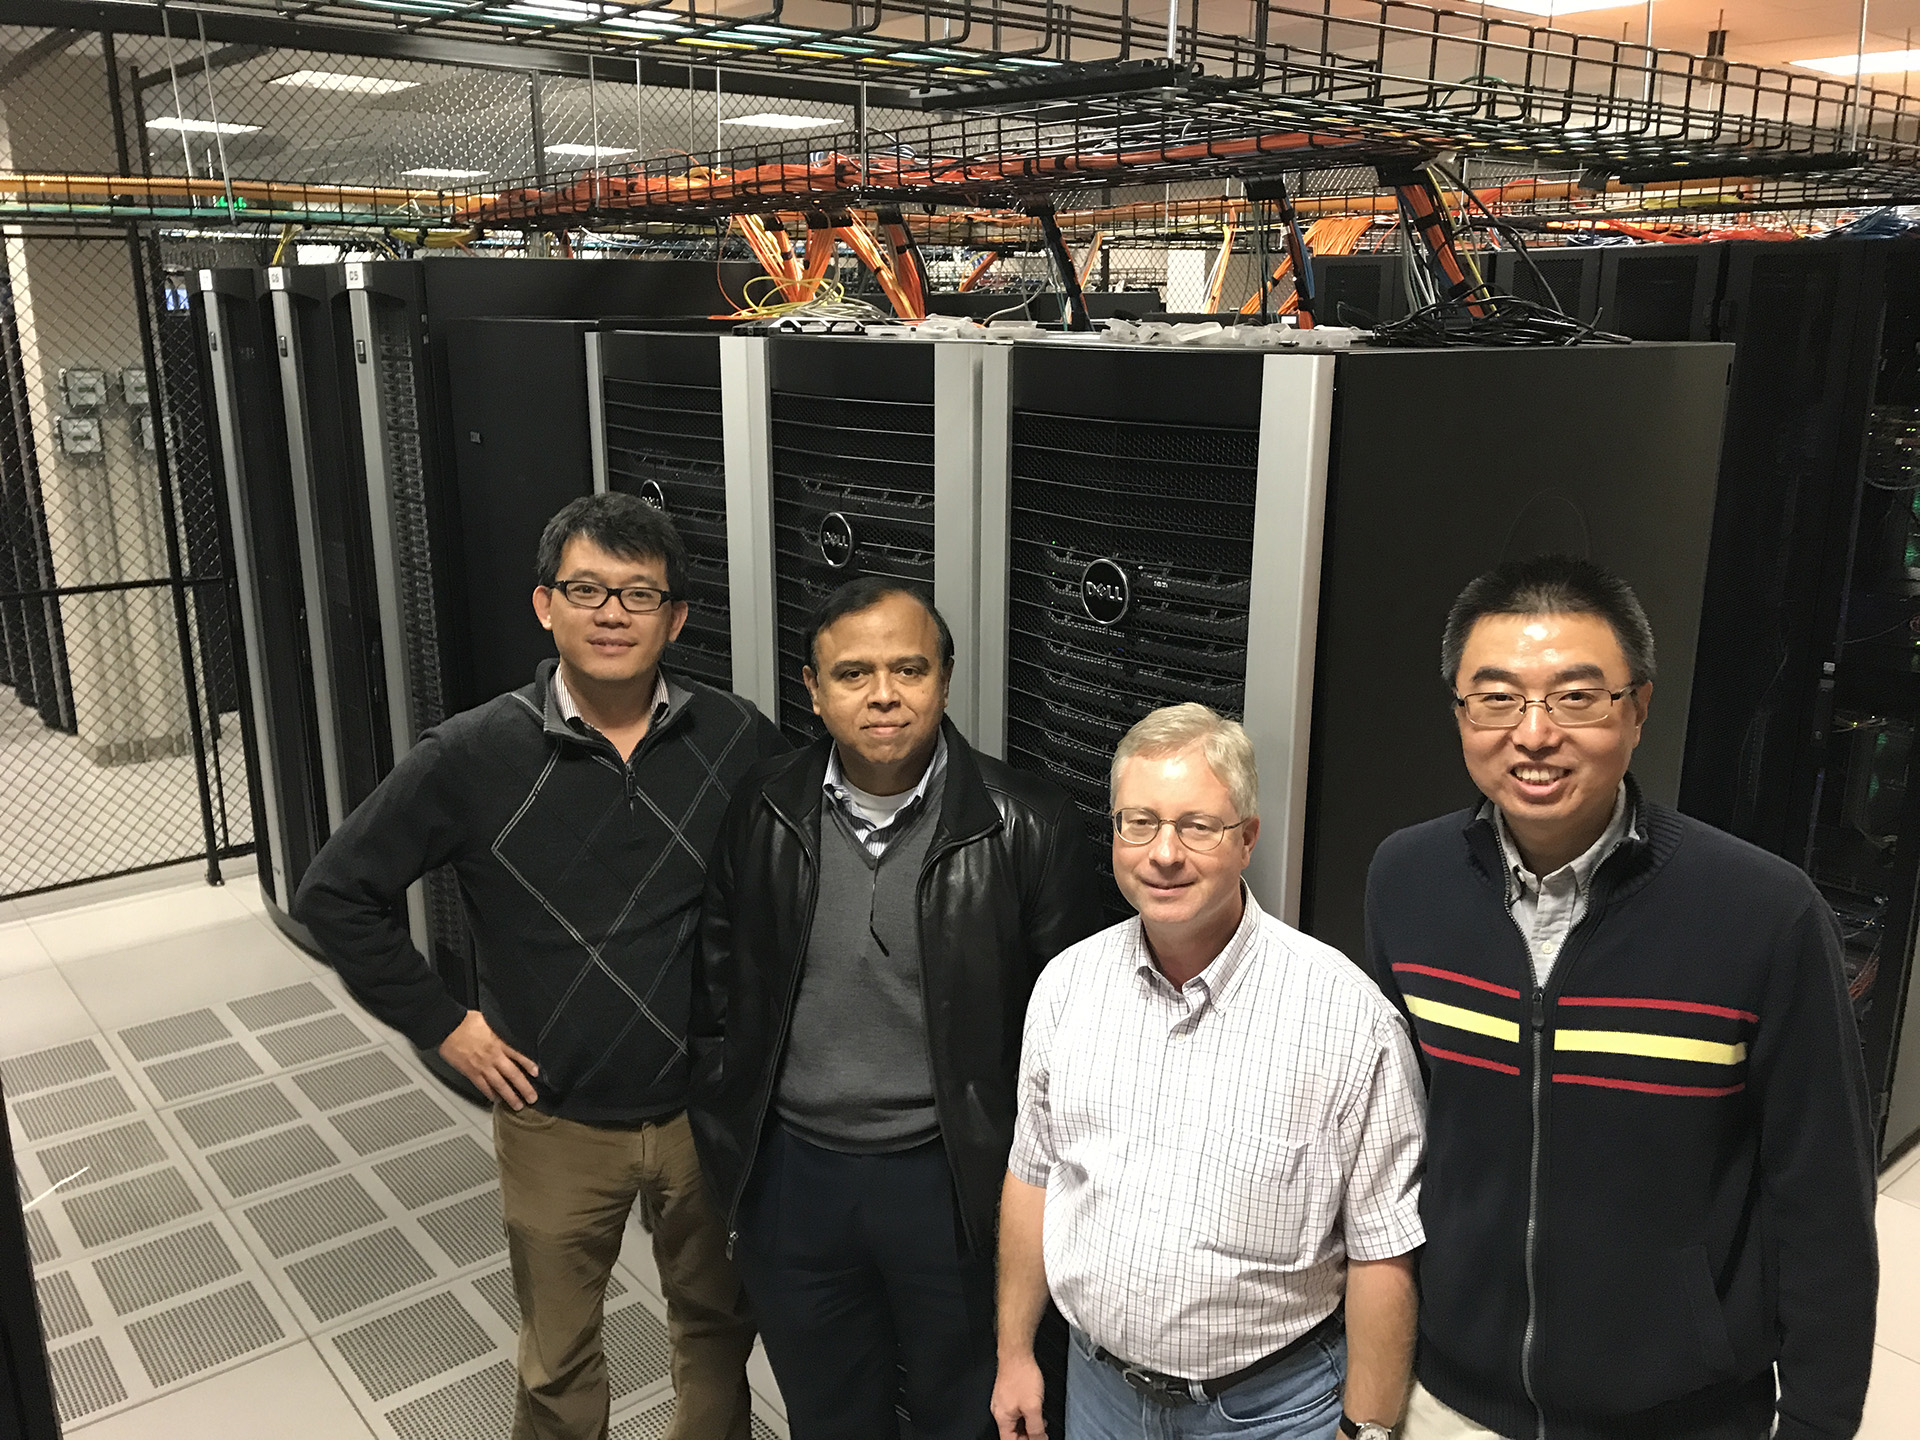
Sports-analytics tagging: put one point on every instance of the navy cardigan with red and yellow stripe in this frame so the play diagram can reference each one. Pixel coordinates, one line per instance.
(1652, 1180)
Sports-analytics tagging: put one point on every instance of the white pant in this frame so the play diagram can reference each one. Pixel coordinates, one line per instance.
(1429, 1419)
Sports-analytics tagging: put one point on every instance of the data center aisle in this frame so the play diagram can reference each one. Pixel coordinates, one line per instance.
(281, 1226)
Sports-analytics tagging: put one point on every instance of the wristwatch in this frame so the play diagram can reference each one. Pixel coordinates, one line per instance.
(1364, 1429)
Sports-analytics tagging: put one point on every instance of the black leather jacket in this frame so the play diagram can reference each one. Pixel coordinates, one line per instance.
(1009, 883)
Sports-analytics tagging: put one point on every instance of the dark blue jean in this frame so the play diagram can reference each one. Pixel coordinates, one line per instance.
(1298, 1399)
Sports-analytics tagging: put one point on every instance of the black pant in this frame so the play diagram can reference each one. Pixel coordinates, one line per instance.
(865, 1293)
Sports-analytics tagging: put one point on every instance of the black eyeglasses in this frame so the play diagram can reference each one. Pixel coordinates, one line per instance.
(634, 599)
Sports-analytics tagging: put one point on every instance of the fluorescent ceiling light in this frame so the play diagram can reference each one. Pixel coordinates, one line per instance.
(773, 120)
(199, 127)
(1554, 9)
(334, 80)
(428, 172)
(597, 152)
(1883, 62)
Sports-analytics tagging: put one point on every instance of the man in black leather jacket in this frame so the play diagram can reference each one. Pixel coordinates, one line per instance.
(877, 911)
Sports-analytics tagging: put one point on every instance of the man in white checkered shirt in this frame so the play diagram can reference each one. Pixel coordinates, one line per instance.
(1220, 1138)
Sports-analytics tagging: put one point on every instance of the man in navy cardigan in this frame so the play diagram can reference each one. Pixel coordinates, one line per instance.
(1649, 1189)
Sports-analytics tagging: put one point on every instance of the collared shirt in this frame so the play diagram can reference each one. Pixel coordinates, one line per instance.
(1214, 1153)
(570, 712)
(876, 819)
(1547, 907)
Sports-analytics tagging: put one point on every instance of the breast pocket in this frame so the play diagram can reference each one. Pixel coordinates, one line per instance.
(1260, 1199)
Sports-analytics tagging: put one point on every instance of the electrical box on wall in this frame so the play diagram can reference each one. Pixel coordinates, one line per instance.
(78, 434)
(83, 389)
(133, 385)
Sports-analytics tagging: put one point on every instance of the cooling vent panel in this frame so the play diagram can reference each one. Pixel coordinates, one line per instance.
(1173, 507)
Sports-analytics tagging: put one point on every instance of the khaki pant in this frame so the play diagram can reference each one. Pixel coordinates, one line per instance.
(567, 1189)
(1429, 1419)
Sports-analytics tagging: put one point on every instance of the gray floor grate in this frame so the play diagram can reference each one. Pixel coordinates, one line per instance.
(202, 1071)
(173, 1034)
(424, 1176)
(43, 1069)
(357, 1078)
(228, 1117)
(496, 1288)
(41, 1245)
(277, 1007)
(647, 1425)
(119, 1151)
(638, 1354)
(164, 1269)
(312, 1039)
(62, 1311)
(359, 1273)
(59, 1111)
(84, 1379)
(145, 1202)
(305, 1218)
(203, 1333)
(410, 1115)
(469, 1230)
(398, 1351)
(256, 1165)
(481, 1404)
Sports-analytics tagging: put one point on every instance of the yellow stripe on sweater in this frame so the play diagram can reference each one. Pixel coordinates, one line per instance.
(1658, 1047)
(1454, 1017)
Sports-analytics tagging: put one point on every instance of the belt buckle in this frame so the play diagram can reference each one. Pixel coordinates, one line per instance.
(1152, 1387)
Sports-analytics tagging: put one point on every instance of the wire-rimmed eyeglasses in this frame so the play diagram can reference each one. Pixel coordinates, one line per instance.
(1505, 709)
(1197, 831)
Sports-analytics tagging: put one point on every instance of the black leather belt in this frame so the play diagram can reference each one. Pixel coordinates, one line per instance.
(1172, 1390)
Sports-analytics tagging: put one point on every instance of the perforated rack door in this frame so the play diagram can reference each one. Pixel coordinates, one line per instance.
(1171, 502)
(663, 429)
(852, 436)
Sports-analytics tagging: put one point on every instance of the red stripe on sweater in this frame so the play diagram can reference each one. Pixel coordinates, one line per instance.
(1689, 1007)
(1475, 1060)
(1707, 1092)
(1460, 979)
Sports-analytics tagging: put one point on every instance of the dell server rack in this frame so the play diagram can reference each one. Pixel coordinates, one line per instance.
(1280, 536)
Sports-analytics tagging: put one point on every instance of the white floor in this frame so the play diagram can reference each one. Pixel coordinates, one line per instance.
(258, 1246)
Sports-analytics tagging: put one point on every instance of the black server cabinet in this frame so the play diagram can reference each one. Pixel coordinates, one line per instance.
(663, 438)
(250, 454)
(1369, 286)
(851, 436)
(1568, 276)
(1287, 536)
(1660, 292)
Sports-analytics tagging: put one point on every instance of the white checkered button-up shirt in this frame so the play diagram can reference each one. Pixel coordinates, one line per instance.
(1213, 1154)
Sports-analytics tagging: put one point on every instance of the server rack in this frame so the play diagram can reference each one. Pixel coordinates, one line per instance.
(1571, 275)
(1660, 292)
(1372, 285)
(1287, 533)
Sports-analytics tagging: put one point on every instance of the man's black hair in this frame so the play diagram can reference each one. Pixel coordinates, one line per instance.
(1551, 585)
(864, 594)
(623, 525)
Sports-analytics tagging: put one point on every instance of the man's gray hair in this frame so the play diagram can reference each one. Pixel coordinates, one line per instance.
(1173, 728)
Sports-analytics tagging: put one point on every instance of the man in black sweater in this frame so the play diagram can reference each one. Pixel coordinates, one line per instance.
(1649, 1187)
(577, 814)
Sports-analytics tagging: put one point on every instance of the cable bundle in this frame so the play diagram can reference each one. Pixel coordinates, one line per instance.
(1507, 320)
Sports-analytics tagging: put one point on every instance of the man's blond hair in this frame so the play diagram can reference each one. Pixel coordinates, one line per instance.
(1174, 728)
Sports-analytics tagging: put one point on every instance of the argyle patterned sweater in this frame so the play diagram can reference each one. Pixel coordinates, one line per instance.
(581, 877)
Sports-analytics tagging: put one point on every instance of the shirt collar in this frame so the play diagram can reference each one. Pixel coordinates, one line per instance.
(570, 712)
(1624, 825)
(1214, 982)
(838, 788)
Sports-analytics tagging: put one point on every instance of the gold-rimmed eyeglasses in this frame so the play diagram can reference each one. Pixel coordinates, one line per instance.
(1196, 831)
(1505, 709)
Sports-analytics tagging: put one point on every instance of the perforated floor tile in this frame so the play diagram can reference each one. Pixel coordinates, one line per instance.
(412, 1345)
(43, 1069)
(647, 1425)
(469, 1230)
(424, 1176)
(301, 1219)
(145, 1202)
(638, 1354)
(480, 1404)
(157, 1270)
(62, 1311)
(312, 1039)
(256, 1165)
(410, 1115)
(203, 1333)
(173, 1034)
(74, 1108)
(84, 1379)
(359, 1273)
(201, 1071)
(278, 1007)
(359, 1077)
(229, 1117)
(41, 1246)
(94, 1158)
(496, 1289)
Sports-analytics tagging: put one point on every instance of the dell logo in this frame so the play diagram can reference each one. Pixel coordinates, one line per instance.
(651, 492)
(1105, 592)
(836, 541)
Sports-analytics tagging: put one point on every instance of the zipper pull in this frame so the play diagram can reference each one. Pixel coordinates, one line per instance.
(732, 1235)
(1539, 1009)
(631, 792)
